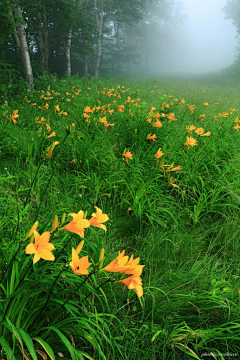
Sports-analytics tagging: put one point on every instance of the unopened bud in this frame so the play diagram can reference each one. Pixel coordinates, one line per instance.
(54, 224)
(34, 227)
(63, 219)
(101, 259)
(80, 246)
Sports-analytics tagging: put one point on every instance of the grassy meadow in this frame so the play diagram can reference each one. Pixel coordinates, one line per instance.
(157, 161)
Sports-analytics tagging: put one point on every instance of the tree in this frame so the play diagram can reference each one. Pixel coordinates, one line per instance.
(232, 12)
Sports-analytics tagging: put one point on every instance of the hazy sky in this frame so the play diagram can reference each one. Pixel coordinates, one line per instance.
(211, 40)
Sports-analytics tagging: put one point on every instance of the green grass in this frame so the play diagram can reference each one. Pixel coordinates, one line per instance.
(187, 236)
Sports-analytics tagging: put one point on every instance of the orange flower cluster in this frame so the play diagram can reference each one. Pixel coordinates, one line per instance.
(123, 264)
(42, 249)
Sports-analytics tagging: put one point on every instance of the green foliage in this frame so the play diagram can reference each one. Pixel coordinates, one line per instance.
(186, 236)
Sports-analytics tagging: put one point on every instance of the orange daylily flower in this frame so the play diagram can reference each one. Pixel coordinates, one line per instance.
(41, 248)
(135, 283)
(157, 116)
(190, 141)
(120, 108)
(123, 265)
(191, 108)
(79, 266)
(237, 127)
(103, 120)
(171, 168)
(98, 218)
(206, 104)
(199, 131)
(51, 135)
(202, 116)
(117, 265)
(34, 227)
(158, 155)
(88, 110)
(207, 133)
(78, 224)
(151, 137)
(49, 154)
(172, 183)
(157, 124)
(127, 155)
(149, 120)
(190, 128)
(171, 116)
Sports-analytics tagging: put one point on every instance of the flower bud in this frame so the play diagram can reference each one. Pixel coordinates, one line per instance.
(80, 246)
(54, 224)
(101, 259)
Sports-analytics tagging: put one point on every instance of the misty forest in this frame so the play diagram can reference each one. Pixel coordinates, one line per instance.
(119, 184)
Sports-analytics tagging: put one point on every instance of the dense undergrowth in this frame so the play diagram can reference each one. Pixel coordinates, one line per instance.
(172, 199)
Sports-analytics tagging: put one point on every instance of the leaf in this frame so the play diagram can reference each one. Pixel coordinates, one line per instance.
(16, 332)
(156, 335)
(65, 341)
(6, 347)
(28, 341)
(46, 347)
(43, 355)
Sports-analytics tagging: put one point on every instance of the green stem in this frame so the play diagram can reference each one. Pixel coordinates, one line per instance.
(33, 182)
(45, 190)
(105, 282)
(49, 294)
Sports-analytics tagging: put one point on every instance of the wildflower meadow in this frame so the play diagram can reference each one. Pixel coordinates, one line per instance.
(119, 219)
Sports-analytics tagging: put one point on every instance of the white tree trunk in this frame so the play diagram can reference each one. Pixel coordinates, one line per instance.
(100, 29)
(27, 68)
(68, 52)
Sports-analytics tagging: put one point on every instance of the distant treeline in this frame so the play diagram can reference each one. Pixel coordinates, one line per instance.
(65, 37)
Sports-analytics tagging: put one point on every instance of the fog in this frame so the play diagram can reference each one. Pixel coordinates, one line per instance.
(209, 40)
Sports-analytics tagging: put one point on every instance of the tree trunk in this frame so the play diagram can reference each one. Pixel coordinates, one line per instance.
(15, 34)
(118, 48)
(45, 42)
(100, 29)
(27, 68)
(85, 61)
(68, 52)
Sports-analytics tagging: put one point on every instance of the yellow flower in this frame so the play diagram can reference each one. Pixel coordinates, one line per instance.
(199, 131)
(98, 218)
(79, 265)
(157, 124)
(54, 224)
(152, 137)
(78, 224)
(127, 155)
(49, 154)
(237, 127)
(117, 265)
(135, 283)
(191, 108)
(41, 248)
(207, 133)
(190, 141)
(34, 227)
(123, 265)
(190, 128)
(205, 104)
(51, 135)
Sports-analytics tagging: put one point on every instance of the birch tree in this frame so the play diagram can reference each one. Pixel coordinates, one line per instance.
(20, 37)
